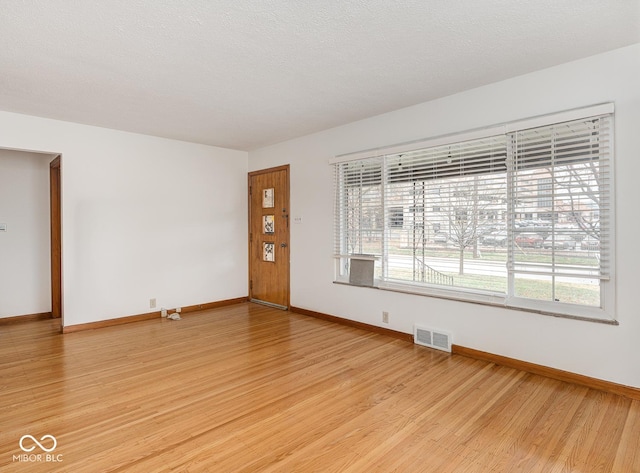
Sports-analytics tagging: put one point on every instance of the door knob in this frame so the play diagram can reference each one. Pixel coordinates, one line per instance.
(283, 245)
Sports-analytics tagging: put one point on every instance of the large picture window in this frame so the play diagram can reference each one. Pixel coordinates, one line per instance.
(520, 216)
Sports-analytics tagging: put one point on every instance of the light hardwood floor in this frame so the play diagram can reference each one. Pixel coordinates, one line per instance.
(247, 388)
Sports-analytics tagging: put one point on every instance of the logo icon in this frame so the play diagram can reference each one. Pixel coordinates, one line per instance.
(38, 443)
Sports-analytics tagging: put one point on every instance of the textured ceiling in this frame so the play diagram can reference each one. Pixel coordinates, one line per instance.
(244, 74)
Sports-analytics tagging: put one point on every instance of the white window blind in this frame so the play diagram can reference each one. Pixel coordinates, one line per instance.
(450, 195)
(524, 215)
(560, 174)
(358, 210)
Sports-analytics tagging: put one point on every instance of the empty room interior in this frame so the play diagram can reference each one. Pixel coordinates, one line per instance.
(290, 236)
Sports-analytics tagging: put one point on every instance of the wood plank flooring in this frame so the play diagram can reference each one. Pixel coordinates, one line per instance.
(247, 388)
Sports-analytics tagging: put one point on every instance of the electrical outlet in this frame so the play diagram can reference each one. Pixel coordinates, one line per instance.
(152, 303)
(385, 317)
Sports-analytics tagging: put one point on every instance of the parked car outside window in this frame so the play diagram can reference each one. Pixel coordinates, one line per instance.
(495, 239)
(529, 240)
(559, 242)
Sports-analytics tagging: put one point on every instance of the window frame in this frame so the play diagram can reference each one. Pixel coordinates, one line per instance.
(604, 313)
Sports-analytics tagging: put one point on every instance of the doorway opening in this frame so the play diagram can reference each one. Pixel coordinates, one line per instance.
(31, 235)
(55, 204)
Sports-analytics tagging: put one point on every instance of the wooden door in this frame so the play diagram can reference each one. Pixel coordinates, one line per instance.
(269, 236)
(56, 243)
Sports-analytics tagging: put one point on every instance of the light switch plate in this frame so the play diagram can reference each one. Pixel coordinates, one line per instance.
(3, 227)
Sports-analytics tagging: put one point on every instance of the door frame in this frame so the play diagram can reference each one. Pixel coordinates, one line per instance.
(286, 168)
(55, 205)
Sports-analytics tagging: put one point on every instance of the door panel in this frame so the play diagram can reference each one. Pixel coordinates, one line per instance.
(269, 236)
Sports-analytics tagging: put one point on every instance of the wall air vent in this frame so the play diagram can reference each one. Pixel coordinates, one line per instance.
(432, 338)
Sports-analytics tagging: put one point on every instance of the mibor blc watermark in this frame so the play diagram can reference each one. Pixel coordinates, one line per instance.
(46, 444)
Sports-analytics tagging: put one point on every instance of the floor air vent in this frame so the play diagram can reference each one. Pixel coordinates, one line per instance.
(432, 338)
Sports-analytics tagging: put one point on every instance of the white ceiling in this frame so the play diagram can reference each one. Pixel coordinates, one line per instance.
(243, 74)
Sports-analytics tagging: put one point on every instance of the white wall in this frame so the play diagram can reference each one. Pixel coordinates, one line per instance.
(25, 279)
(142, 217)
(601, 351)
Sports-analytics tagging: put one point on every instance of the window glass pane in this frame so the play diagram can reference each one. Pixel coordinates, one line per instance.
(533, 287)
(451, 197)
(359, 208)
(582, 291)
(558, 174)
(363, 221)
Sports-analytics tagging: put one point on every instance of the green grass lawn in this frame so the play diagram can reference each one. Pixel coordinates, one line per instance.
(525, 255)
(539, 289)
